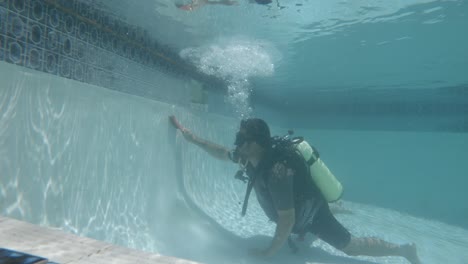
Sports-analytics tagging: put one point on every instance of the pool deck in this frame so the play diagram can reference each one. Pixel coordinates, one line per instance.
(62, 247)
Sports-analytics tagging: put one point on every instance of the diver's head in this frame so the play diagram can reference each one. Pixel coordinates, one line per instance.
(263, 2)
(253, 137)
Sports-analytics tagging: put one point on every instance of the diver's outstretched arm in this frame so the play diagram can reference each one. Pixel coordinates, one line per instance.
(211, 148)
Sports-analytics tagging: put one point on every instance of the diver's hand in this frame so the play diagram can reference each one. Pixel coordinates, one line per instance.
(188, 135)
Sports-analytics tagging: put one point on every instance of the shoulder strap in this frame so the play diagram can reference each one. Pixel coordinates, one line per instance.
(247, 194)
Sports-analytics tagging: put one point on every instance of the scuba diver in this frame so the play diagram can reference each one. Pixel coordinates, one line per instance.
(287, 193)
(195, 4)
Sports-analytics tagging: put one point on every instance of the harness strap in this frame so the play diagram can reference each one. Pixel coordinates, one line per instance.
(292, 245)
(314, 157)
(247, 194)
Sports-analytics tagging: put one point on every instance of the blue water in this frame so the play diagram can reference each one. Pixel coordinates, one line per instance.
(379, 88)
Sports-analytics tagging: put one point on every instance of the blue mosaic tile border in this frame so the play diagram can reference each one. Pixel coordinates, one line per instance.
(74, 40)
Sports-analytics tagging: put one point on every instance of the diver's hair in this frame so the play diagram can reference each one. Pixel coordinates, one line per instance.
(258, 130)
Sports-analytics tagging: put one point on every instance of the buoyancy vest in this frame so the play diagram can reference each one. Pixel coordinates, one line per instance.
(313, 179)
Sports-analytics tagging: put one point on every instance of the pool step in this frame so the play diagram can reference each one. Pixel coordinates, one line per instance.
(61, 247)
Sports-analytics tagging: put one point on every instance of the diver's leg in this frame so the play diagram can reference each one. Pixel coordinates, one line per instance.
(327, 228)
(369, 246)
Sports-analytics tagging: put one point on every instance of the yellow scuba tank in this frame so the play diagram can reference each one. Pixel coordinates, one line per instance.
(330, 187)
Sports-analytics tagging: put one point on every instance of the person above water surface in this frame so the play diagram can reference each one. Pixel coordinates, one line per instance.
(288, 197)
(195, 4)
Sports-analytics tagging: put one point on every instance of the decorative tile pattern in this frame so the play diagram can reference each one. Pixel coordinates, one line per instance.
(34, 57)
(2, 47)
(3, 19)
(15, 51)
(37, 11)
(4, 3)
(20, 7)
(51, 62)
(73, 39)
(16, 27)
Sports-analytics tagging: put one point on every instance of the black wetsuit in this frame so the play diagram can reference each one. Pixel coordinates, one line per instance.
(282, 182)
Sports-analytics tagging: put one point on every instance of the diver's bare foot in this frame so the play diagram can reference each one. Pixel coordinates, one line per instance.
(409, 251)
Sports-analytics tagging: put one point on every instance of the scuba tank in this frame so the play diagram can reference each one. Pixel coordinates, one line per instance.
(327, 183)
(330, 187)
